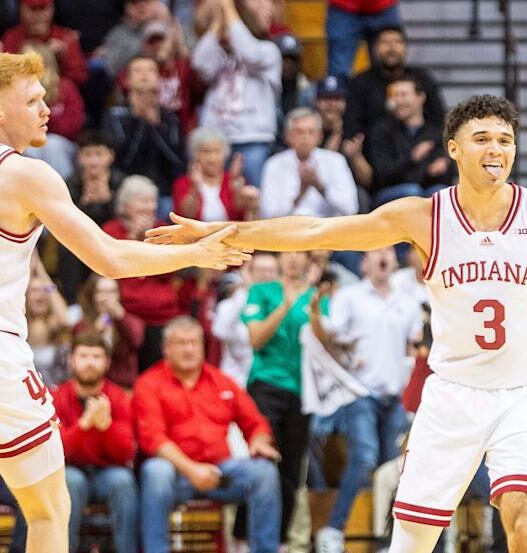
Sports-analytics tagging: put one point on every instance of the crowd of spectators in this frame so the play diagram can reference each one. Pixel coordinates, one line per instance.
(203, 109)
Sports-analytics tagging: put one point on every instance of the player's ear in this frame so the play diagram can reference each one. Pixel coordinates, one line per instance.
(452, 148)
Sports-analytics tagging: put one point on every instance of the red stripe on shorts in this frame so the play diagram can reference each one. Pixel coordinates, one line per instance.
(422, 520)
(25, 436)
(27, 447)
(419, 509)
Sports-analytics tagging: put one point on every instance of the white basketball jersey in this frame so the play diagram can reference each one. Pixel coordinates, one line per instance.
(477, 283)
(15, 256)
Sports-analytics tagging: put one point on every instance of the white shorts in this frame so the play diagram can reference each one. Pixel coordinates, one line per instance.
(28, 420)
(455, 426)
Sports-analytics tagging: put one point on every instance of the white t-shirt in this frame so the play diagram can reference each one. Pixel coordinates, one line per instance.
(381, 327)
(213, 208)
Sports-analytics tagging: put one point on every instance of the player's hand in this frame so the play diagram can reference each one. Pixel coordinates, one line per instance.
(204, 476)
(184, 231)
(215, 254)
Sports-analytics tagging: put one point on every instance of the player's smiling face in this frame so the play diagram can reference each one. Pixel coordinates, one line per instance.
(484, 150)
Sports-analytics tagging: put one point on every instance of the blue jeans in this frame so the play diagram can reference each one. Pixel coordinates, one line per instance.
(345, 29)
(254, 154)
(251, 481)
(114, 486)
(371, 427)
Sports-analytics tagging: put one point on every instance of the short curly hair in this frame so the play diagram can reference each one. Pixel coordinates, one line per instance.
(478, 107)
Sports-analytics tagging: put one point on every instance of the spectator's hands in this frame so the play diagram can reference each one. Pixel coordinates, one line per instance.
(138, 225)
(322, 290)
(260, 446)
(112, 306)
(248, 197)
(352, 147)
(236, 170)
(204, 476)
(178, 39)
(333, 142)
(96, 191)
(57, 46)
(101, 412)
(308, 174)
(438, 167)
(421, 150)
(97, 413)
(195, 174)
(144, 104)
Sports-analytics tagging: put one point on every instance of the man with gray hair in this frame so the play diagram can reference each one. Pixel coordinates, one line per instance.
(183, 408)
(305, 179)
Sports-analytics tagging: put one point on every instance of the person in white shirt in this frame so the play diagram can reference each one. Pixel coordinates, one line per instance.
(410, 279)
(305, 179)
(380, 322)
(227, 326)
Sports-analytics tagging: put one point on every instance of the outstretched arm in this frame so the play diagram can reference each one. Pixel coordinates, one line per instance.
(43, 194)
(404, 220)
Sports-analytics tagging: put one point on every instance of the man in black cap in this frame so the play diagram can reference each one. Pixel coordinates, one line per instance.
(331, 104)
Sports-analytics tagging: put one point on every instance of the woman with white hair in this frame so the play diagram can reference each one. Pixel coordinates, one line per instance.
(209, 192)
(154, 299)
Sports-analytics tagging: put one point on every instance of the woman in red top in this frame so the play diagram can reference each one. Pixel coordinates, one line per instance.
(208, 192)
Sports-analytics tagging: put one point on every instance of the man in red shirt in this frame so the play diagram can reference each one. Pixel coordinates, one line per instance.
(349, 21)
(97, 432)
(36, 24)
(183, 408)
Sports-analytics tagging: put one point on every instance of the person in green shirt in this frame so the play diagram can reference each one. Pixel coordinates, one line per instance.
(274, 314)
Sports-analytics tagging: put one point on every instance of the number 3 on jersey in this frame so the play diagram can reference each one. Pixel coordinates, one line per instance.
(497, 311)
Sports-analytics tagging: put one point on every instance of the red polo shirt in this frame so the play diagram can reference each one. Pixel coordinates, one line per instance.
(196, 420)
(114, 446)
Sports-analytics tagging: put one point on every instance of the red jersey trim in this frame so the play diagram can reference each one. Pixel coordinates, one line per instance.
(510, 488)
(513, 210)
(18, 238)
(512, 483)
(10, 332)
(435, 233)
(422, 515)
(6, 154)
(460, 214)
